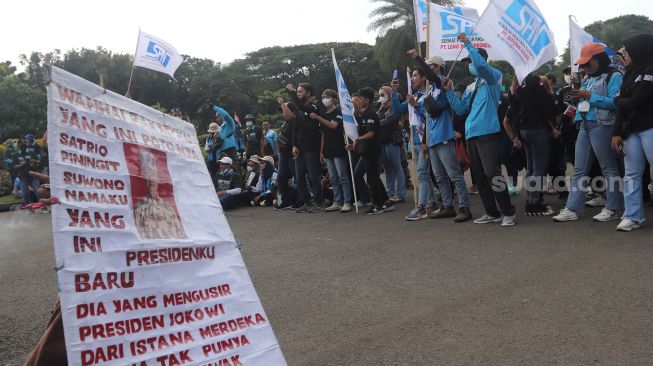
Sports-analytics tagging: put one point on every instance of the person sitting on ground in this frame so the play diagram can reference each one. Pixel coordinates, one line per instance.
(228, 184)
(265, 190)
(28, 157)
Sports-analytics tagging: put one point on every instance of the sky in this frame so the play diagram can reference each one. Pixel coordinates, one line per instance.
(226, 30)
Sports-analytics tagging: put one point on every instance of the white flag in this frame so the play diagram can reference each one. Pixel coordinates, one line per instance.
(413, 118)
(156, 54)
(346, 105)
(577, 38)
(446, 24)
(518, 33)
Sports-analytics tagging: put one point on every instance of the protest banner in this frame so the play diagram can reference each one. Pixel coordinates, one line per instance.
(518, 33)
(147, 266)
(446, 23)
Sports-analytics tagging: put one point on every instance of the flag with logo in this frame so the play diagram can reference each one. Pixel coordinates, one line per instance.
(446, 24)
(156, 54)
(577, 38)
(518, 33)
(346, 105)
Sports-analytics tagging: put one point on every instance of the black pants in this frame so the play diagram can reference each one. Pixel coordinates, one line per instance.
(486, 170)
(377, 189)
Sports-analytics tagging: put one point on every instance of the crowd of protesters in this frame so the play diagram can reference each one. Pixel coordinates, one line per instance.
(599, 120)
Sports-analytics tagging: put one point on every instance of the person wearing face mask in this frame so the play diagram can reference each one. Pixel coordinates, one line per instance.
(253, 137)
(633, 130)
(595, 116)
(228, 184)
(426, 198)
(391, 139)
(482, 130)
(369, 147)
(286, 163)
(333, 152)
(306, 139)
(211, 146)
(441, 144)
(269, 140)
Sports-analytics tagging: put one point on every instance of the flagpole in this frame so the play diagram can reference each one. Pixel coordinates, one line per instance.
(131, 75)
(463, 47)
(351, 167)
(570, 60)
(428, 55)
(412, 146)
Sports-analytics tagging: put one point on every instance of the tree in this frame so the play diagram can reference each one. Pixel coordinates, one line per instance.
(22, 109)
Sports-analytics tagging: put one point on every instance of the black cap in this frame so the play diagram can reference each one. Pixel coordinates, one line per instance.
(367, 93)
(249, 117)
(481, 51)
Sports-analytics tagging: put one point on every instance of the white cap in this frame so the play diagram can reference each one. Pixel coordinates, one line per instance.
(226, 160)
(435, 60)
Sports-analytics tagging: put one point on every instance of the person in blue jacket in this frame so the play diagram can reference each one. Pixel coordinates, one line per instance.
(595, 118)
(227, 136)
(482, 130)
(441, 143)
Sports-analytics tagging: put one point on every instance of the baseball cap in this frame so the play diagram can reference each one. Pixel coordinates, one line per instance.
(254, 158)
(226, 160)
(213, 128)
(481, 51)
(588, 51)
(435, 60)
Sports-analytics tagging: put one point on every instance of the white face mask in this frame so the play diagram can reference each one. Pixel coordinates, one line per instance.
(568, 79)
(327, 102)
(249, 123)
(383, 99)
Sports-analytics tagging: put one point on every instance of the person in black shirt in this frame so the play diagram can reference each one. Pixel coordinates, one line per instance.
(391, 139)
(369, 146)
(533, 117)
(306, 139)
(253, 136)
(333, 152)
(286, 164)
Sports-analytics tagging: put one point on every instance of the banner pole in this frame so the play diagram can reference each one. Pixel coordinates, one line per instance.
(351, 168)
(428, 55)
(131, 75)
(461, 48)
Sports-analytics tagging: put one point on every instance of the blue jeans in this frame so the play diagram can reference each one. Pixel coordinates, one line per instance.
(339, 178)
(395, 181)
(426, 194)
(25, 183)
(445, 165)
(538, 147)
(308, 164)
(362, 191)
(596, 138)
(638, 148)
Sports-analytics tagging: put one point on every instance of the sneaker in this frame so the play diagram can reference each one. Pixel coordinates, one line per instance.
(596, 201)
(565, 215)
(464, 214)
(538, 209)
(282, 207)
(473, 189)
(303, 209)
(296, 205)
(274, 202)
(346, 208)
(333, 207)
(315, 209)
(487, 219)
(627, 225)
(397, 199)
(512, 190)
(508, 221)
(263, 203)
(417, 214)
(443, 213)
(374, 210)
(45, 210)
(388, 206)
(606, 215)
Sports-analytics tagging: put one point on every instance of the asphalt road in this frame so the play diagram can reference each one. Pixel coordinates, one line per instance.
(347, 289)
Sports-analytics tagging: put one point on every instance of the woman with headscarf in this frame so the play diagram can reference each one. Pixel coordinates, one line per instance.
(595, 116)
(633, 130)
(391, 139)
